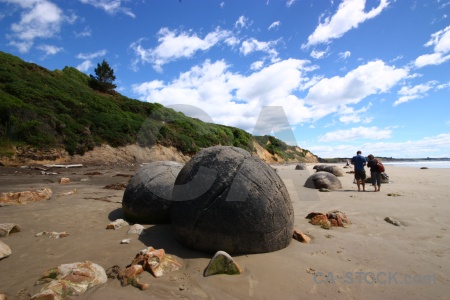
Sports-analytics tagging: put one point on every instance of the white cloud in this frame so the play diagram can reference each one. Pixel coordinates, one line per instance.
(88, 57)
(348, 16)
(372, 78)
(49, 49)
(86, 32)
(231, 98)
(290, 2)
(241, 22)
(85, 66)
(99, 53)
(253, 45)
(39, 19)
(110, 6)
(441, 42)
(274, 25)
(345, 55)
(356, 133)
(174, 45)
(409, 93)
(350, 115)
(434, 146)
(318, 54)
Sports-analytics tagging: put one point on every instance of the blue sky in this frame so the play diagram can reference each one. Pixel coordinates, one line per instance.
(350, 75)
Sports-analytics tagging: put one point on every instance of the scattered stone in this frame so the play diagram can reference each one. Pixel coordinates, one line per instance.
(130, 276)
(84, 179)
(300, 167)
(136, 229)
(2, 296)
(116, 186)
(70, 280)
(52, 234)
(394, 194)
(337, 218)
(147, 198)
(71, 192)
(324, 190)
(393, 221)
(323, 179)
(26, 196)
(64, 166)
(238, 204)
(7, 228)
(117, 224)
(64, 180)
(321, 220)
(222, 263)
(5, 251)
(155, 261)
(423, 168)
(301, 237)
(125, 241)
(333, 218)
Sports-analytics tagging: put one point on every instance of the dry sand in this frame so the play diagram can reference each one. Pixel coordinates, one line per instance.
(392, 259)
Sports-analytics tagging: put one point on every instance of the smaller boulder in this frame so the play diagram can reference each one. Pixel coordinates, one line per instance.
(222, 263)
(300, 167)
(324, 180)
(393, 221)
(5, 251)
(7, 228)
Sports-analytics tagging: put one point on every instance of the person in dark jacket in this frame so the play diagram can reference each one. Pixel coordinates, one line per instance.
(375, 175)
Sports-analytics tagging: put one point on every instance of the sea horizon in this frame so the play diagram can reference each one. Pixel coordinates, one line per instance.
(420, 163)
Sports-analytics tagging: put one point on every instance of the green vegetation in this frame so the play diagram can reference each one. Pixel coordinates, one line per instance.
(60, 109)
(104, 78)
(277, 147)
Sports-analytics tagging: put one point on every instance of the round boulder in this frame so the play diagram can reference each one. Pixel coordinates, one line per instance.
(335, 170)
(147, 198)
(323, 180)
(300, 167)
(225, 199)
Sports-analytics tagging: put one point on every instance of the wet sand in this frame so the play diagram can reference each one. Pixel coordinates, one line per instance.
(370, 259)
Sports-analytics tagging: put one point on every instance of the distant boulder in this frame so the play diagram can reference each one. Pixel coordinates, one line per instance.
(300, 167)
(225, 199)
(147, 197)
(337, 171)
(323, 180)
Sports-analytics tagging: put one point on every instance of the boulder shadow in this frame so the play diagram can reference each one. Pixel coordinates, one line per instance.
(161, 236)
(116, 214)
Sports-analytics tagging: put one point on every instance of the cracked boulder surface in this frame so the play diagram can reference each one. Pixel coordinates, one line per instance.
(147, 198)
(225, 199)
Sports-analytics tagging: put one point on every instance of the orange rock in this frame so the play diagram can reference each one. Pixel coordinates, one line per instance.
(155, 261)
(301, 237)
(130, 276)
(64, 180)
(26, 196)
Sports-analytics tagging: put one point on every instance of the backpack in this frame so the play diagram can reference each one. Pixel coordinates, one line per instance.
(380, 166)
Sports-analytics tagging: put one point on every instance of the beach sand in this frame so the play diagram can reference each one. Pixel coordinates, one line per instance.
(370, 259)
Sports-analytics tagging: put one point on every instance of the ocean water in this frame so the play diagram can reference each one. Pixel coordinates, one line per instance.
(419, 164)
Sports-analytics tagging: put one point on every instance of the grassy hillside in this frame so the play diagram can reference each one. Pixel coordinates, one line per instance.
(58, 109)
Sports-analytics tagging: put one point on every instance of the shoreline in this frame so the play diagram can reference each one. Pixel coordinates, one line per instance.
(369, 245)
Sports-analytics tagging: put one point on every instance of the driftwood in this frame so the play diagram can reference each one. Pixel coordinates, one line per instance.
(64, 166)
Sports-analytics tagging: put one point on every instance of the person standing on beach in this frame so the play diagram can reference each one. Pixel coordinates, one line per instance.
(359, 162)
(375, 175)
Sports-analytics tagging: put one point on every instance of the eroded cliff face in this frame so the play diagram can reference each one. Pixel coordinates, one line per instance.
(130, 154)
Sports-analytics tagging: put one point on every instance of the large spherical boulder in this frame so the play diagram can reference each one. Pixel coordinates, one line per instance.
(147, 198)
(225, 199)
(323, 180)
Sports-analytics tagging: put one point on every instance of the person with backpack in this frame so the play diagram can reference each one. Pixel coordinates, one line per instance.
(375, 171)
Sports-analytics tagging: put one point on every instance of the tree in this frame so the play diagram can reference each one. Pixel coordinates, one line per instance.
(104, 78)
